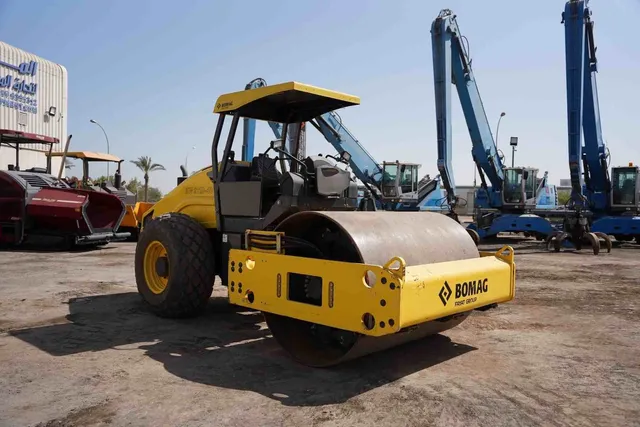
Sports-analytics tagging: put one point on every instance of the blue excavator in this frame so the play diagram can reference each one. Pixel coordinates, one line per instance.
(512, 201)
(601, 204)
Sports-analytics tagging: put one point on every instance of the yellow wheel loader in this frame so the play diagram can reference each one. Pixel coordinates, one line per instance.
(283, 235)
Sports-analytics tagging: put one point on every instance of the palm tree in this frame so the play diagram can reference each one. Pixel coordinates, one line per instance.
(146, 165)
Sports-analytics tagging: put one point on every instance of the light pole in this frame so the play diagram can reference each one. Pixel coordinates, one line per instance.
(497, 130)
(105, 137)
(186, 158)
(514, 143)
(498, 127)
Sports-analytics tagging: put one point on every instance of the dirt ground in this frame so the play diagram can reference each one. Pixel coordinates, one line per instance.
(77, 348)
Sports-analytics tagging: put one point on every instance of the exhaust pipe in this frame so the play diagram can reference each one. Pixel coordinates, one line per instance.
(184, 176)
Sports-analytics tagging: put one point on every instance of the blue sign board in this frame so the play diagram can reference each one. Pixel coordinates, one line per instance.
(15, 91)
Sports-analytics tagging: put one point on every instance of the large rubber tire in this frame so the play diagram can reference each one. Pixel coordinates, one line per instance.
(191, 266)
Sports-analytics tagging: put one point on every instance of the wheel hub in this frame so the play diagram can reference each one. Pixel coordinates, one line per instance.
(162, 266)
(156, 267)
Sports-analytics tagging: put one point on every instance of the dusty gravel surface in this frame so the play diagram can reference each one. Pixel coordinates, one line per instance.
(77, 348)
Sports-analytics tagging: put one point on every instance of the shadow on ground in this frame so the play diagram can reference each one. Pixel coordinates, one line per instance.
(227, 347)
(53, 247)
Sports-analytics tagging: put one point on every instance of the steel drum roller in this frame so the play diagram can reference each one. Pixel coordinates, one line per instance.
(372, 238)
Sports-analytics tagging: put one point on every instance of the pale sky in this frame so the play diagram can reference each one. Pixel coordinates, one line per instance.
(150, 72)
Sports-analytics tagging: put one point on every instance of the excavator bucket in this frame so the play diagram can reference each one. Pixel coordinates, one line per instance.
(338, 285)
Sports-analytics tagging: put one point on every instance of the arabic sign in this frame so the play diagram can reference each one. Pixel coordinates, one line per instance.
(26, 68)
(15, 91)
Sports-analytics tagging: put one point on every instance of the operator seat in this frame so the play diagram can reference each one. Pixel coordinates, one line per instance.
(627, 193)
(263, 169)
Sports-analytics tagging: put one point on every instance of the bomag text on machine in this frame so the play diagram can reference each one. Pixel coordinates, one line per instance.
(333, 283)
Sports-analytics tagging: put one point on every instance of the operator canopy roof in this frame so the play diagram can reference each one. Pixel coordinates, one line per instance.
(290, 102)
(16, 137)
(90, 156)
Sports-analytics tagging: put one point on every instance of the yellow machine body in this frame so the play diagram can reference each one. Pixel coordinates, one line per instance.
(192, 197)
(396, 296)
(134, 214)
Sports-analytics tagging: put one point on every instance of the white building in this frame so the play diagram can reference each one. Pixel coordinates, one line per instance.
(565, 185)
(33, 100)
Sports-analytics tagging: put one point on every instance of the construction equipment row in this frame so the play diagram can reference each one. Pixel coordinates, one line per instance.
(338, 275)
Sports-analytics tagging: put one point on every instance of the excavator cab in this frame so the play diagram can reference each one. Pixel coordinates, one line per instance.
(625, 185)
(520, 186)
(400, 181)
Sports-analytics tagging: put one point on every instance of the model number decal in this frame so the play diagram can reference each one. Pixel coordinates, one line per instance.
(199, 190)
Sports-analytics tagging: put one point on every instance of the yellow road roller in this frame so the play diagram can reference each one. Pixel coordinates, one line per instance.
(284, 236)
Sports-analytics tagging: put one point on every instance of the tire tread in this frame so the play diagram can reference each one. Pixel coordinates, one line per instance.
(190, 245)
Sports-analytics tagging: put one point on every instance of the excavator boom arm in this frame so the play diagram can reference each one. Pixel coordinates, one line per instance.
(451, 65)
(587, 163)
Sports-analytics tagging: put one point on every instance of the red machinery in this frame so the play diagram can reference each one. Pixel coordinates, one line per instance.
(36, 206)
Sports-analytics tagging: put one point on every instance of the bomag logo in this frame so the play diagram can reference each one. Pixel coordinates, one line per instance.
(472, 288)
(467, 290)
(445, 293)
(224, 105)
